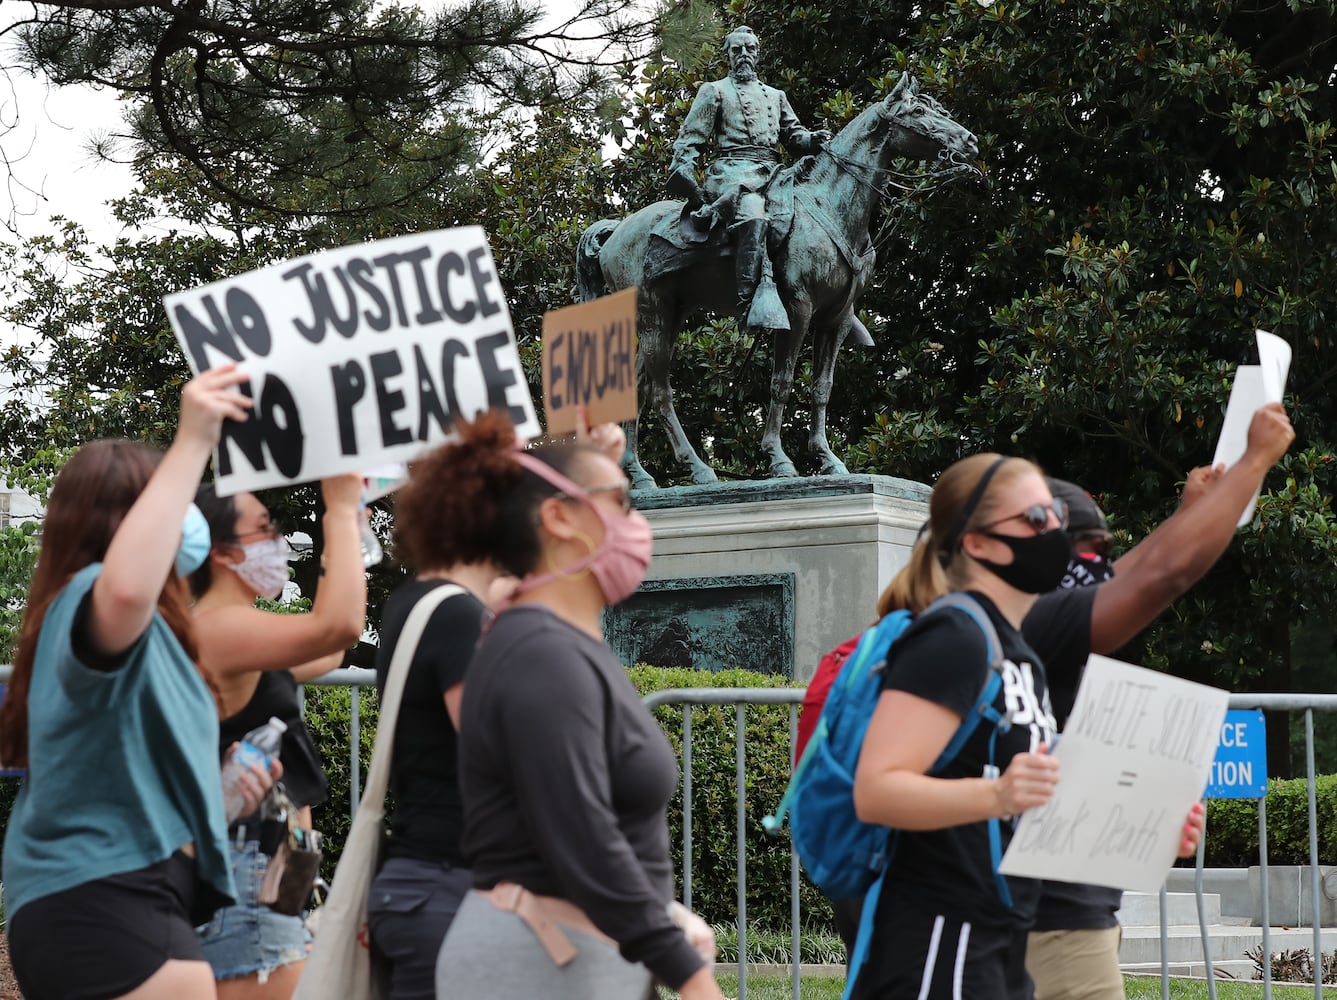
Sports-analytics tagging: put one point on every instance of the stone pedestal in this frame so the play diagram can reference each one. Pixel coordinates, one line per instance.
(765, 575)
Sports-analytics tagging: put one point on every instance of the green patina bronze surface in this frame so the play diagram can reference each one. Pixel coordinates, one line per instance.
(803, 229)
(708, 623)
(753, 490)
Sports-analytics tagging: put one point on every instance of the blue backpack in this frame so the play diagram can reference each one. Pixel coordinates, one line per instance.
(843, 855)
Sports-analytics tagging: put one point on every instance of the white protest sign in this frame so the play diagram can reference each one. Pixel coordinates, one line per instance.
(1274, 358)
(1133, 759)
(1255, 386)
(359, 357)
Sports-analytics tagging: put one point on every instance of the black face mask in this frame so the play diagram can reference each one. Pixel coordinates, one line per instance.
(1038, 561)
(1086, 570)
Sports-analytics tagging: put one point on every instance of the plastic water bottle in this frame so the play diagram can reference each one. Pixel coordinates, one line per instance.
(372, 553)
(257, 747)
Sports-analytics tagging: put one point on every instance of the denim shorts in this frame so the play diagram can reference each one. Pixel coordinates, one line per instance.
(249, 937)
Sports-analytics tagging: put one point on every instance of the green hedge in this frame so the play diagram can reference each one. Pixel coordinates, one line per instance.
(714, 809)
(1232, 825)
(714, 843)
(328, 710)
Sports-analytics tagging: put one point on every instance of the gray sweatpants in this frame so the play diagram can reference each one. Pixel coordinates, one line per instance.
(491, 953)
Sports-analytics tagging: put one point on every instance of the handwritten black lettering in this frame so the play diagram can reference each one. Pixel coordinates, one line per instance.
(245, 321)
(361, 271)
(1053, 828)
(389, 401)
(429, 398)
(499, 380)
(274, 428)
(350, 385)
(1127, 837)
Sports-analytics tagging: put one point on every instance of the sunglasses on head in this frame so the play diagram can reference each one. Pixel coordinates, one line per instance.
(1037, 516)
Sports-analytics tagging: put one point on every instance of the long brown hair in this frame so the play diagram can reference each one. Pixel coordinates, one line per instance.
(936, 565)
(90, 498)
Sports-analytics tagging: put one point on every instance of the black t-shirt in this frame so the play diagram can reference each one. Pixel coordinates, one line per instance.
(1059, 629)
(275, 696)
(566, 779)
(428, 813)
(943, 658)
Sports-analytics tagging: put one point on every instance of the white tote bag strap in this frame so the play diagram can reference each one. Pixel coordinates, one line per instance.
(378, 775)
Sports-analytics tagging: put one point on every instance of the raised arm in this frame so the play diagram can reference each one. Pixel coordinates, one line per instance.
(141, 553)
(1177, 554)
(237, 639)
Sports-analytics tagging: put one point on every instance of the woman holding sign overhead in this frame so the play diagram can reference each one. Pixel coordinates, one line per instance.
(258, 658)
(116, 844)
(946, 923)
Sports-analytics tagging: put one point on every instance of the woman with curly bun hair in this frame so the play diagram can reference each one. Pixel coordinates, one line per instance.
(565, 775)
(446, 530)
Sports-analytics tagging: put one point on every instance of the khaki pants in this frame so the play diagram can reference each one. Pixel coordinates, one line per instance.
(1075, 965)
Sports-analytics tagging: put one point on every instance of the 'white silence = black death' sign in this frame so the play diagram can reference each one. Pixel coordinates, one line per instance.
(1133, 758)
(358, 357)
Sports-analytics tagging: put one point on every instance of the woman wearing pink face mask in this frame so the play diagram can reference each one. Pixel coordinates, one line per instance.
(565, 776)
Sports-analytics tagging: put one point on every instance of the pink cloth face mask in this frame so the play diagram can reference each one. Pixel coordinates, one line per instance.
(619, 564)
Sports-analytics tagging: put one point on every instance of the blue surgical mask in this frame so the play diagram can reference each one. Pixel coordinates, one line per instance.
(195, 542)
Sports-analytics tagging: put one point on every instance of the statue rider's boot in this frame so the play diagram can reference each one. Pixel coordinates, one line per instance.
(756, 288)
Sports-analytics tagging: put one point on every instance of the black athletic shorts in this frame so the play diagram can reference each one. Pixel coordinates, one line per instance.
(104, 938)
(917, 954)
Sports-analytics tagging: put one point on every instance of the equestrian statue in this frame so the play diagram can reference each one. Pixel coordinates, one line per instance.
(798, 236)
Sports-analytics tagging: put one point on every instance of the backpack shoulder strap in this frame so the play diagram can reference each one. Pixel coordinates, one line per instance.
(983, 707)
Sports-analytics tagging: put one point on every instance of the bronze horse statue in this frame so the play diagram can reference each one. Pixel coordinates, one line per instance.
(821, 267)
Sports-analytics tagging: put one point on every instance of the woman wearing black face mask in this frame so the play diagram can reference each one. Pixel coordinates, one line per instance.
(946, 926)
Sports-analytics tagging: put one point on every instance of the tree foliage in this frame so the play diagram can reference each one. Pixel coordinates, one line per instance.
(322, 107)
(1159, 180)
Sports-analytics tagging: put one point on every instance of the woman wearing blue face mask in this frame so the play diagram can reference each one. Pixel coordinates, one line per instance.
(115, 846)
(258, 658)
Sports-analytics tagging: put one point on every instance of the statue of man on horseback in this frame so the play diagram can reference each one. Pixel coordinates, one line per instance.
(746, 120)
(820, 255)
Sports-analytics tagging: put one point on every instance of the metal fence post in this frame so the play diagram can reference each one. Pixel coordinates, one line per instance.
(354, 740)
(740, 759)
(793, 868)
(687, 806)
(1267, 915)
(1313, 853)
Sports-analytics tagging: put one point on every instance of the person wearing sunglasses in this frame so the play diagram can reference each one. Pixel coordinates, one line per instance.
(946, 926)
(565, 776)
(259, 658)
(1073, 949)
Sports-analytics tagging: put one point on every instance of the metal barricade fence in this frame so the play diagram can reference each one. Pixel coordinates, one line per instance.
(741, 698)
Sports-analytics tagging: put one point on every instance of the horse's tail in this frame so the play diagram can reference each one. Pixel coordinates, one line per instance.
(590, 282)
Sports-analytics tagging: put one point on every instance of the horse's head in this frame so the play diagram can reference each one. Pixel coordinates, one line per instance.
(921, 129)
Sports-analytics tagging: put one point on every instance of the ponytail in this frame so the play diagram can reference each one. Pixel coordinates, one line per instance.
(919, 583)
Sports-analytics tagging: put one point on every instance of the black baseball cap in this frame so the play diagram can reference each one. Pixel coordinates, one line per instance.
(1085, 518)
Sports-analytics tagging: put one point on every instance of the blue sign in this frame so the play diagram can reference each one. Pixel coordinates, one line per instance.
(1240, 768)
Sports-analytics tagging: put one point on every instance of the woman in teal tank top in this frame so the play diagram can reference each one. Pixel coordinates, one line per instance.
(116, 844)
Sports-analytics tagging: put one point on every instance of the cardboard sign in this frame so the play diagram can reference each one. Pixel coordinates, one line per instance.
(1254, 386)
(1133, 759)
(359, 357)
(589, 359)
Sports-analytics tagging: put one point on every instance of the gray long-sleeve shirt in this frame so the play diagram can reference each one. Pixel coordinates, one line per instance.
(566, 780)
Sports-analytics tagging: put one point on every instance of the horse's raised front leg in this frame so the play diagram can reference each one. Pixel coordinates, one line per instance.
(656, 355)
(785, 347)
(826, 345)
